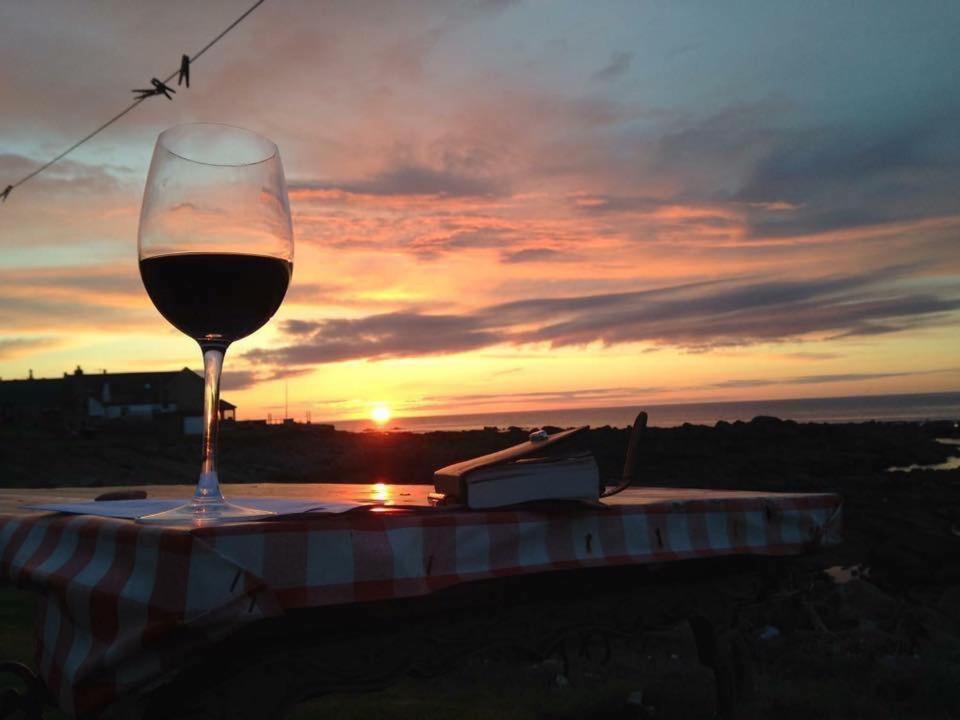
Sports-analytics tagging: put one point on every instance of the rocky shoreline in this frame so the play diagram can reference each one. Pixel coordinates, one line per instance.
(763, 453)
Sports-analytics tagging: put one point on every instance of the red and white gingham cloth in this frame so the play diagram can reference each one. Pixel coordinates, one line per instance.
(122, 603)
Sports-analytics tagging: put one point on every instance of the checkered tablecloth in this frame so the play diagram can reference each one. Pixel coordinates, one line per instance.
(122, 604)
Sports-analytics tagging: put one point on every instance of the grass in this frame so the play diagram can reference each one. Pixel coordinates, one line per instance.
(501, 691)
(810, 679)
(17, 638)
(834, 675)
(16, 631)
(421, 701)
(477, 692)
(16, 625)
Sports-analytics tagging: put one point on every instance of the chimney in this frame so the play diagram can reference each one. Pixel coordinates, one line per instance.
(30, 374)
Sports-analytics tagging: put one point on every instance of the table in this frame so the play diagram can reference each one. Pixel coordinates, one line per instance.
(122, 605)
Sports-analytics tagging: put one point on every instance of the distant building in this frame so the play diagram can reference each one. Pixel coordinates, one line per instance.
(81, 398)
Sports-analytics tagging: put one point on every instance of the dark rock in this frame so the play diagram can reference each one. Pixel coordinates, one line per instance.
(864, 600)
(768, 420)
(901, 682)
(682, 694)
(949, 605)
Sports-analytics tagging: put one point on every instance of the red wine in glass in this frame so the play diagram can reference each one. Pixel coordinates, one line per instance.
(216, 296)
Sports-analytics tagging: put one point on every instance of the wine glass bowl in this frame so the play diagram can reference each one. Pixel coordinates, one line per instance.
(215, 188)
(215, 249)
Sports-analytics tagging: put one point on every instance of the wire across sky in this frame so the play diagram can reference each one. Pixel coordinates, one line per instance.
(89, 136)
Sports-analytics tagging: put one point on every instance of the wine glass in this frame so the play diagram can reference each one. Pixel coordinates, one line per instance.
(216, 256)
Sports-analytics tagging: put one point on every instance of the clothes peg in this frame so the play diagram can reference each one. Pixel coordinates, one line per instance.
(184, 76)
(159, 88)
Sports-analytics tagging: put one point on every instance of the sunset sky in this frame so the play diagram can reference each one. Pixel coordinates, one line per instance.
(511, 204)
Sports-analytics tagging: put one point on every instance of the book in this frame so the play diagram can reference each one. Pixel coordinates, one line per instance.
(544, 468)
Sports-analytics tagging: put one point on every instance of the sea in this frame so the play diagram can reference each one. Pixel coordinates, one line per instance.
(914, 407)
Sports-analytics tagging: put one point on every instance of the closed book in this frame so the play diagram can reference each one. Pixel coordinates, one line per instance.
(545, 468)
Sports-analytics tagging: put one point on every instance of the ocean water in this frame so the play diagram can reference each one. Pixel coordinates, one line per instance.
(934, 406)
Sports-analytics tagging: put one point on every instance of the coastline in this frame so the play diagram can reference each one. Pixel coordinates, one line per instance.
(765, 452)
(903, 407)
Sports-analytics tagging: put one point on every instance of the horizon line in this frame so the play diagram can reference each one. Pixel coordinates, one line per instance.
(638, 406)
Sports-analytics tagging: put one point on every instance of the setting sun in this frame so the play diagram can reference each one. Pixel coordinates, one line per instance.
(380, 414)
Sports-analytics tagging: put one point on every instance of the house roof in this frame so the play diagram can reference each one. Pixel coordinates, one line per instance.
(133, 388)
(38, 393)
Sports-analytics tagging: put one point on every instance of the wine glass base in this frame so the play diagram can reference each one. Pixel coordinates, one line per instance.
(206, 513)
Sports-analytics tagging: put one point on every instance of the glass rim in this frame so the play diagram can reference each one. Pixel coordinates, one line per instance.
(163, 140)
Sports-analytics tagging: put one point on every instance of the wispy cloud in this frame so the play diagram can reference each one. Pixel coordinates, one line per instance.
(693, 316)
(110, 281)
(606, 396)
(836, 178)
(67, 175)
(827, 378)
(88, 296)
(234, 380)
(410, 179)
(379, 336)
(600, 395)
(815, 356)
(17, 346)
(53, 314)
(617, 67)
(538, 255)
(316, 293)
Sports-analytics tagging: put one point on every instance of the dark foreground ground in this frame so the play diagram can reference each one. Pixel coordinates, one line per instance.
(883, 644)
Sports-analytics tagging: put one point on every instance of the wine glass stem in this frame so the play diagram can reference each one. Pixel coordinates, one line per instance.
(208, 486)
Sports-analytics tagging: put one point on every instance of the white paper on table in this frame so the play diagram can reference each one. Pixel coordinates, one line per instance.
(133, 509)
